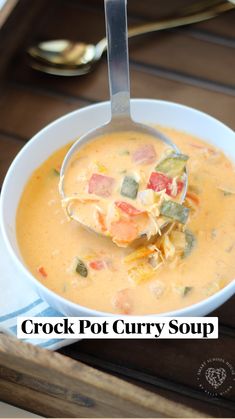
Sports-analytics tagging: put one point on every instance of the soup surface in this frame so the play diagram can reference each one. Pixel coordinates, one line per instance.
(122, 185)
(192, 261)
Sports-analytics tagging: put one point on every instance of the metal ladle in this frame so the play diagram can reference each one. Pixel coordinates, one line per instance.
(118, 66)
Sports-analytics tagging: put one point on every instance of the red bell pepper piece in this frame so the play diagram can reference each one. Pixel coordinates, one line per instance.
(158, 181)
(97, 265)
(128, 208)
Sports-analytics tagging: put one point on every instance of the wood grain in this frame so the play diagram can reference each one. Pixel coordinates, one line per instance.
(24, 22)
(180, 362)
(98, 394)
(24, 112)
(176, 50)
(145, 83)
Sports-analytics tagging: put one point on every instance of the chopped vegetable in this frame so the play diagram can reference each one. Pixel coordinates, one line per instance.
(227, 192)
(174, 211)
(147, 197)
(129, 187)
(128, 208)
(159, 181)
(101, 221)
(187, 290)
(193, 188)
(139, 254)
(141, 272)
(178, 239)
(42, 271)
(214, 233)
(155, 260)
(123, 231)
(145, 154)
(124, 153)
(212, 287)
(81, 268)
(190, 243)
(122, 301)
(101, 185)
(193, 197)
(101, 167)
(97, 265)
(182, 290)
(167, 247)
(157, 288)
(56, 172)
(173, 165)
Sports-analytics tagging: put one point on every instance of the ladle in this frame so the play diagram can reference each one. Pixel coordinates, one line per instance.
(118, 66)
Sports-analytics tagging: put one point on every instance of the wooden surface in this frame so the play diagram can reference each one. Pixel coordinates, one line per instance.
(192, 65)
(56, 386)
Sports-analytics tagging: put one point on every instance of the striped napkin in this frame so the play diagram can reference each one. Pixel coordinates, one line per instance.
(18, 299)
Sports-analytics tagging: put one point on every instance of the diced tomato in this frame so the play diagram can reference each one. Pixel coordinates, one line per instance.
(101, 185)
(97, 265)
(145, 154)
(122, 301)
(128, 208)
(42, 271)
(124, 231)
(158, 181)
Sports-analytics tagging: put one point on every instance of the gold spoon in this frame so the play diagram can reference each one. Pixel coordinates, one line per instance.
(66, 58)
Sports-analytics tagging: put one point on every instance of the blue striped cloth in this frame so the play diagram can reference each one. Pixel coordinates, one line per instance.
(19, 299)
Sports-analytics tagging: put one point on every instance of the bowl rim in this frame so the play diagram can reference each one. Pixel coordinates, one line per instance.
(53, 295)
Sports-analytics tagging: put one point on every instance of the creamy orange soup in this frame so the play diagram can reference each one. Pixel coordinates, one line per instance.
(191, 261)
(122, 185)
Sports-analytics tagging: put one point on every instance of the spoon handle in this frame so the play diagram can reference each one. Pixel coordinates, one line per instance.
(117, 54)
(188, 19)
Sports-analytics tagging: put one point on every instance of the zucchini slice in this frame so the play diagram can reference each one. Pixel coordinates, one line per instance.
(129, 187)
(81, 268)
(173, 165)
(174, 211)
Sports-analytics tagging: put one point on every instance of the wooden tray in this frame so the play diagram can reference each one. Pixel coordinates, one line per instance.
(54, 385)
(192, 65)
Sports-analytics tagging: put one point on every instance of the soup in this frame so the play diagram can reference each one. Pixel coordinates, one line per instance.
(122, 186)
(188, 263)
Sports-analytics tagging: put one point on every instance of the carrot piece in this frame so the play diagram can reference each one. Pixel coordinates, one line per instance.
(42, 271)
(140, 253)
(101, 221)
(128, 208)
(193, 197)
(124, 231)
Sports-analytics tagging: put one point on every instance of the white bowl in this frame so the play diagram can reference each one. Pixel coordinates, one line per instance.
(67, 128)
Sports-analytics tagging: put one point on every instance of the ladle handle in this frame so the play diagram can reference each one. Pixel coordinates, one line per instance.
(118, 59)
